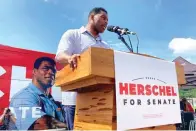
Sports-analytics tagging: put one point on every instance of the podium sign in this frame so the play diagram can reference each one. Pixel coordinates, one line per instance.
(94, 81)
(146, 91)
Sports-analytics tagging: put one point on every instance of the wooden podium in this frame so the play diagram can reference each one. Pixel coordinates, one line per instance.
(94, 80)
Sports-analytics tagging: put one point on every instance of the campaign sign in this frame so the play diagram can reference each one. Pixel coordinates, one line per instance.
(146, 91)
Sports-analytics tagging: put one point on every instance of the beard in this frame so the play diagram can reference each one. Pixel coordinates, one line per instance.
(96, 29)
(45, 85)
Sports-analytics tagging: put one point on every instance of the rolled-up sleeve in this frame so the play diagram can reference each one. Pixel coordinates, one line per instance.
(27, 110)
(66, 43)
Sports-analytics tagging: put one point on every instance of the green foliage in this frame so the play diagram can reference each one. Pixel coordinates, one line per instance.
(187, 93)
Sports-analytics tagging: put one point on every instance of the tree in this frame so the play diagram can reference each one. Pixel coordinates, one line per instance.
(187, 93)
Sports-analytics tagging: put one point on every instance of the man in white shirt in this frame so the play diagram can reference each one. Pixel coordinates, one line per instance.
(76, 41)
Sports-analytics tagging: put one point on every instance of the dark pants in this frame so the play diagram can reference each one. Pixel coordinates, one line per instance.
(69, 115)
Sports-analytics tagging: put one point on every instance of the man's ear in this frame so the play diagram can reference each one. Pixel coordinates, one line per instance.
(92, 17)
(34, 71)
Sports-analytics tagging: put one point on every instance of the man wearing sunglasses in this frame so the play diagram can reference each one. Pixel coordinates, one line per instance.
(33, 106)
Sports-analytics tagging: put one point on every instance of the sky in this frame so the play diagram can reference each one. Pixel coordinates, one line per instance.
(166, 28)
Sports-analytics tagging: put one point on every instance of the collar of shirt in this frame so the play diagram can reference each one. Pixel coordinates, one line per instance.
(50, 101)
(36, 89)
(84, 30)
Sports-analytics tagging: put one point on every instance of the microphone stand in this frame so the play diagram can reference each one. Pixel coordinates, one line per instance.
(137, 42)
(123, 40)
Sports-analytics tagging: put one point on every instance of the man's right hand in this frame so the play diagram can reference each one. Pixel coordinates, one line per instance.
(73, 61)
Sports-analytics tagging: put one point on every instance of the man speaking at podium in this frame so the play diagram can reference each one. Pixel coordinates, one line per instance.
(76, 41)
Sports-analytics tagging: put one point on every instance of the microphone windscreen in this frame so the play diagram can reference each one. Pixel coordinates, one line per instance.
(110, 28)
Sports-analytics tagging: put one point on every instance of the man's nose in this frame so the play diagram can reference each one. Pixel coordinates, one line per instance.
(106, 22)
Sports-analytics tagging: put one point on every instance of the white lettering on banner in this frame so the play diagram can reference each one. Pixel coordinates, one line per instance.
(36, 113)
(18, 80)
(146, 92)
(1, 93)
(2, 71)
(24, 110)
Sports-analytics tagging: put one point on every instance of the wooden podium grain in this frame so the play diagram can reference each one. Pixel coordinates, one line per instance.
(94, 80)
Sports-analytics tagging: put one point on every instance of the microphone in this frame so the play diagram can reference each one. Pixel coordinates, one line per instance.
(120, 31)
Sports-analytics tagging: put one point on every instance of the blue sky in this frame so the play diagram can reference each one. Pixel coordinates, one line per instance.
(166, 28)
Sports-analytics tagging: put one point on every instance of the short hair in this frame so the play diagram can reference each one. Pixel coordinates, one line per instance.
(39, 60)
(97, 10)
